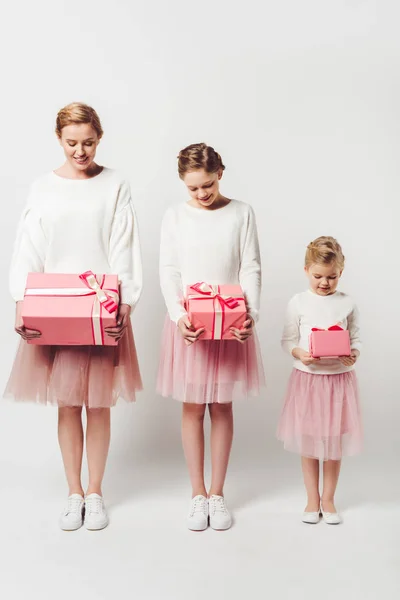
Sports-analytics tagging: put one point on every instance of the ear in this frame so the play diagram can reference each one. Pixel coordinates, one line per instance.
(220, 173)
(59, 139)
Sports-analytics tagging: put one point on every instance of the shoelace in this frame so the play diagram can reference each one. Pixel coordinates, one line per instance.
(218, 505)
(199, 505)
(74, 505)
(94, 505)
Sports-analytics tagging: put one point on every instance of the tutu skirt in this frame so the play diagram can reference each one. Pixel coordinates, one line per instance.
(91, 376)
(208, 370)
(321, 417)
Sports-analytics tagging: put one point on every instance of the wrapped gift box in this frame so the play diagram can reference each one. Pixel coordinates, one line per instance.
(329, 343)
(71, 309)
(217, 308)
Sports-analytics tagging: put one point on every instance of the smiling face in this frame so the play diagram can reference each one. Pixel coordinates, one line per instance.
(323, 278)
(203, 187)
(79, 142)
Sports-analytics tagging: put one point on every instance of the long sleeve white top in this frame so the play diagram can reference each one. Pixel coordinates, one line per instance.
(216, 246)
(307, 310)
(75, 225)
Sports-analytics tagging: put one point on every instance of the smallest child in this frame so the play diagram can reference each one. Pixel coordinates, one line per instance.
(321, 417)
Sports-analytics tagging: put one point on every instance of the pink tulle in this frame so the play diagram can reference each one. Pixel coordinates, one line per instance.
(321, 417)
(92, 376)
(208, 370)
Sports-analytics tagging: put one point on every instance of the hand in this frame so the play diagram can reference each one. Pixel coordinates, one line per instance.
(305, 357)
(124, 312)
(348, 361)
(189, 333)
(26, 334)
(247, 330)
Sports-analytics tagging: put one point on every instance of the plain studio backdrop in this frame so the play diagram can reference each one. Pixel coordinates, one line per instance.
(301, 99)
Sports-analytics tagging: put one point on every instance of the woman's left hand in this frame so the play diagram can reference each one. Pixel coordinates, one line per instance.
(247, 330)
(124, 311)
(348, 361)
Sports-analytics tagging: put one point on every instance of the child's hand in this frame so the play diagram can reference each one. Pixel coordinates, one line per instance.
(348, 361)
(26, 334)
(117, 332)
(243, 334)
(304, 356)
(189, 333)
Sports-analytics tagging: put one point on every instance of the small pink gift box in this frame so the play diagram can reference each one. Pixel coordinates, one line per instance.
(71, 310)
(217, 308)
(329, 343)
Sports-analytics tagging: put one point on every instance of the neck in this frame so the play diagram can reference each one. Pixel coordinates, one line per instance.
(219, 202)
(68, 171)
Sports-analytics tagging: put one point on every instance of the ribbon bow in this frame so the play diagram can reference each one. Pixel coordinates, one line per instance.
(332, 328)
(105, 300)
(213, 292)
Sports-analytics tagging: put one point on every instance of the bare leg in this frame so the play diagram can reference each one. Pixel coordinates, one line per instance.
(331, 476)
(193, 445)
(97, 445)
(221, 443)
(310, 468)
(70, 437)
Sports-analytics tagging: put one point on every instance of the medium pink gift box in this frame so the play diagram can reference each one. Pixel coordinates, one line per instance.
(217, 308)
(71, 310)
(329, 343)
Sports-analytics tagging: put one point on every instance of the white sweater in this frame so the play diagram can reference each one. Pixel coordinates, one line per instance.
(75, 225)
(216, 246)
(308, 310)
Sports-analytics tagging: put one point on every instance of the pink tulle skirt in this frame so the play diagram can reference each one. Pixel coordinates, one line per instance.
(321, 417)
(208, 370)
(91, 376)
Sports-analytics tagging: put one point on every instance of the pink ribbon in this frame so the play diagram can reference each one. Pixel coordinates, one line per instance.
(332, 328)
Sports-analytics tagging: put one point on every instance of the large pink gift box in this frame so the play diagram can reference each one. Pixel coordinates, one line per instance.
(329, 343)
(71, 309)
(217, 308)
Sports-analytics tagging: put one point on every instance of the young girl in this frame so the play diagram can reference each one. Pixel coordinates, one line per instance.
(78, 218)
(321, 416)
(208, 239)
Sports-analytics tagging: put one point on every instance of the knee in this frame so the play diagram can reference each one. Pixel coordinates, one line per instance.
(194, 411)
(71, 413)
(221, 411)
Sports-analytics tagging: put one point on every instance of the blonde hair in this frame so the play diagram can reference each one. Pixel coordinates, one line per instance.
(199, 156)
(324, 250)
(77, 112)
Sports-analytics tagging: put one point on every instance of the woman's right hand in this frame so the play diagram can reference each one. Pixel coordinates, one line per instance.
(189, 333)
(304, 356)
(26, 334)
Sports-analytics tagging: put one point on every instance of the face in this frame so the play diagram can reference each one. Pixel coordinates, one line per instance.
(323, 279)
(79, 142)
(203, 187)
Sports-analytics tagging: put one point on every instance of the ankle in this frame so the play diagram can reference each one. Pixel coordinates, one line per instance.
(199, 492)
(313, 499)
(76, 490)
(94, 489)
(330, 499)
(216, 492)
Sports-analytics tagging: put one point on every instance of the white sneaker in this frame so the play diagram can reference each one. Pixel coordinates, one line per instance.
(312, 518)
(219, 514)
(198, 514)
(72, 517)
(95, 513)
